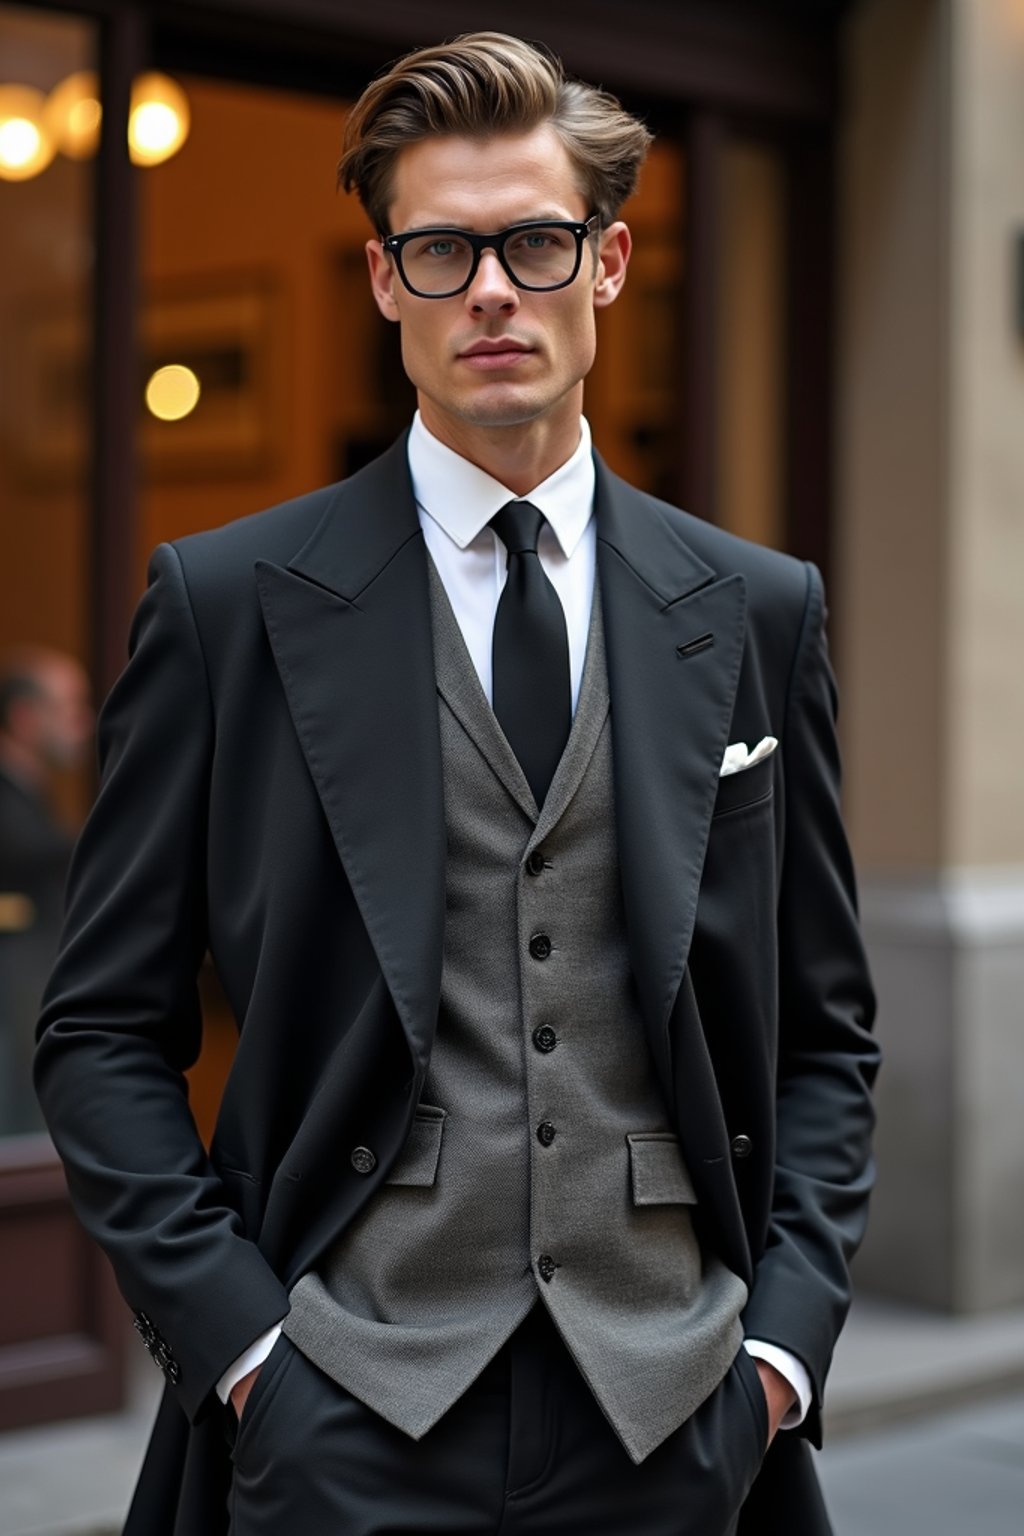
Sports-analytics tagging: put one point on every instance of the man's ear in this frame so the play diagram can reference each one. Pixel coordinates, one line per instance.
(612, 259)
(383, 278)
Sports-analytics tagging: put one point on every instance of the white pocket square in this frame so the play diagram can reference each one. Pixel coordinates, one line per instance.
(737, 757)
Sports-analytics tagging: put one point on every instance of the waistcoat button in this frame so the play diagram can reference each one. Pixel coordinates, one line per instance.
(540, 946)
(546, 1267)
(544, 1038)
(741, 1146)
(363, 1160)
(546, 1133)
(535, 863)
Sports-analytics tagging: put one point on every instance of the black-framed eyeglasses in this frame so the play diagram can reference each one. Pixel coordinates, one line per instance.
(539, 256)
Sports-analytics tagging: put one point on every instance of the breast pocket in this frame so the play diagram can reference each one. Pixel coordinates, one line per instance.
(751, 786)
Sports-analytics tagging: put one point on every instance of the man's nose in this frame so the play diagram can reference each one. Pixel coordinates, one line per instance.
(491, 290)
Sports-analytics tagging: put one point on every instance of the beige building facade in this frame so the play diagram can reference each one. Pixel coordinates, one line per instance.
(929, 593)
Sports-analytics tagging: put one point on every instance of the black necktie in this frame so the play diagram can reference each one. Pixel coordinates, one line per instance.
(530, 653)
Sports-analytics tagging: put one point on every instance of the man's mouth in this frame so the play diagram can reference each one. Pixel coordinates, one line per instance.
(495, 353)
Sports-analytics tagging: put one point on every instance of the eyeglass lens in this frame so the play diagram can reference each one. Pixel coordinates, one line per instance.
(441, 262)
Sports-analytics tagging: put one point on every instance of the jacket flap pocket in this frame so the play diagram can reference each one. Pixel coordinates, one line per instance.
(417, 1162)
(659, 1174)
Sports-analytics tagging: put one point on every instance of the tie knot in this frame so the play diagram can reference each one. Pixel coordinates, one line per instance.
(518, 526)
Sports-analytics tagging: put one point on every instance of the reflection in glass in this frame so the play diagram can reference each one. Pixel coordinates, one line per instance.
(159, 120)
(45, 728)
(26, 144)
(46, 257)
(73, 114)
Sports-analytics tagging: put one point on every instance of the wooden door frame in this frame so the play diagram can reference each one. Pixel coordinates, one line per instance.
(79, 1367)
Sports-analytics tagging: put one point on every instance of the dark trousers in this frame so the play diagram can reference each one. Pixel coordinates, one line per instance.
(525, 1452)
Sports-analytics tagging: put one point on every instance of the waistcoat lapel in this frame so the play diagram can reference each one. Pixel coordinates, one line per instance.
(591, 712)
(459, 686)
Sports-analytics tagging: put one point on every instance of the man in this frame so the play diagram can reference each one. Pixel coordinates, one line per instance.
(545, 1145)
(46, 723)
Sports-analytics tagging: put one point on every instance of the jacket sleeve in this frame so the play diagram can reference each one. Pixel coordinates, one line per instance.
(827, 1057)
(121, 1022)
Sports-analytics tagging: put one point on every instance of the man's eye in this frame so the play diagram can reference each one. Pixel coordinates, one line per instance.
(533, 240)
(441, 248)
(540, 242)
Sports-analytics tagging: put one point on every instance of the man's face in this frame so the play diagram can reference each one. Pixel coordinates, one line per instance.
(58, 724)
(483, 186)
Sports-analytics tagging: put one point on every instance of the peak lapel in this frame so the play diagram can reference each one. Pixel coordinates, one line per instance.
(349, 625)
(671, 711)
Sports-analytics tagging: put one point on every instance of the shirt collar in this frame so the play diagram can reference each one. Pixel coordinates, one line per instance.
(462, 498)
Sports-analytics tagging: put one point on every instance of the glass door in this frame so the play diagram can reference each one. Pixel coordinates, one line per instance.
(60, 1341)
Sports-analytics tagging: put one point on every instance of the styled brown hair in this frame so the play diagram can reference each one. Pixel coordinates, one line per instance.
(480, 84)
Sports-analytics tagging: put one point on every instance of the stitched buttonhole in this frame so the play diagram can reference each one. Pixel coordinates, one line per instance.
(691, 647)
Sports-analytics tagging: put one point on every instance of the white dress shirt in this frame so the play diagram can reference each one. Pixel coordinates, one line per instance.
(455, 501)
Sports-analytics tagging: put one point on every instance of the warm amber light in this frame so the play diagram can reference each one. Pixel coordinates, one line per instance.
(17, 912)
(159, 121)
(26, 145)
(172, 392)
(73, 114)
(33, 127)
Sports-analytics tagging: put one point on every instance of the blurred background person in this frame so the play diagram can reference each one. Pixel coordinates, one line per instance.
(46, 724)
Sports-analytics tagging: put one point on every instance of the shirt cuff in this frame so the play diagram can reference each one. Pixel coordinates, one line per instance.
(795, 1373)
(254, 1356)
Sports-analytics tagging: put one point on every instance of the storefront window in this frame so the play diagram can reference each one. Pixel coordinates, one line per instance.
(49, 125)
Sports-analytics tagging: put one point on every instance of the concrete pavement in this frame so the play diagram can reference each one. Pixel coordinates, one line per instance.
(896, 1363)
(959, 1473)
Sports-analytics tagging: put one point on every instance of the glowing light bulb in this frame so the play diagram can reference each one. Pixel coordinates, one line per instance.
(158, 124)
(172, 392)
(26, 145)
(73, 114)
(20, 141)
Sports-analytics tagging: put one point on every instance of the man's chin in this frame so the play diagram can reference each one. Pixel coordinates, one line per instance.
(514, 409)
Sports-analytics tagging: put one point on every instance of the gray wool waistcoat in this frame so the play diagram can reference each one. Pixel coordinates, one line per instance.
(541, 1161)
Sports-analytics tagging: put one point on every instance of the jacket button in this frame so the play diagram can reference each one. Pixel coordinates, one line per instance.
(546, 1267)
(363, 1160)
(544, 1038)
(540, 946)
(535, 863)
(546, 1133)
(741, 1146)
